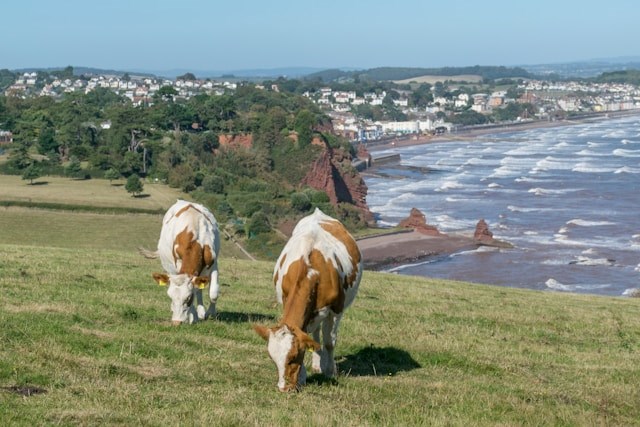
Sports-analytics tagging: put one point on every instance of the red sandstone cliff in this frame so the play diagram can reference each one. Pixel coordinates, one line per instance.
(332, 173)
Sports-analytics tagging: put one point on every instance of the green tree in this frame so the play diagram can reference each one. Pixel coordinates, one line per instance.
(134, 185)
(304, 122)
(32, 172)
(74, 168)
(111, 174)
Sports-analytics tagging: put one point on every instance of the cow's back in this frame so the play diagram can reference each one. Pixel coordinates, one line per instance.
(324, 234)
(186, 220)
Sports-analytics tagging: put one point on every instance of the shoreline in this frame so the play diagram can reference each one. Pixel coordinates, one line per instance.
(470, 133)
(388, 250)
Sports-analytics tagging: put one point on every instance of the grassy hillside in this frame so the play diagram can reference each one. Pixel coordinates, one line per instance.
(86, 336)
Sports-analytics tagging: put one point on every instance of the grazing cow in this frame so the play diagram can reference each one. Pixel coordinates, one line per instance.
(188, 249)
(316, 277)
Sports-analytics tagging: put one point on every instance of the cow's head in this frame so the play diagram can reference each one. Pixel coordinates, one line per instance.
(180, 290)
(286, 346)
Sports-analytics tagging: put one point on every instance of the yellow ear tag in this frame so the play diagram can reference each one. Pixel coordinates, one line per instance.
(162, 283)
(201, 286)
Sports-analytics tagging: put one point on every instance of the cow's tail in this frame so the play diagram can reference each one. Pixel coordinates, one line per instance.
(147, 253)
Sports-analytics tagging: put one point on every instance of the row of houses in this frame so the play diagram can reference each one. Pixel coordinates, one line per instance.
(140, 90)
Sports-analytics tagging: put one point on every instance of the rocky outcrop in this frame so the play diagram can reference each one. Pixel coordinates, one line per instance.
(482, 233)
(418, 221)
(484, 236)
(332, 173)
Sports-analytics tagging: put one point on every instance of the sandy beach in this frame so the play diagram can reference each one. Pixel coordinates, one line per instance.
(386, 251)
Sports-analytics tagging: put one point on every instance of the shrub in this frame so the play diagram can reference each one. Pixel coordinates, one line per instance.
(257, 224)
(300, 202)
(213, 184)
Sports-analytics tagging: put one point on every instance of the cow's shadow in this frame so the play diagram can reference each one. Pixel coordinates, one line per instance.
(370, 361)
(377, 361)
(237, 317)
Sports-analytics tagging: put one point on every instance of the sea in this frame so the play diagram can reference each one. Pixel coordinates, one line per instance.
(567, 198)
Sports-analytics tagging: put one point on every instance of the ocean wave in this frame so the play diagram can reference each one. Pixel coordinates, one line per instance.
(476, 161)
(621, 152)
(583, 260)
(522, 209)
(446, 222)
(586, 223)
(449, 185)
(627, 169)
(625, 141)
(586, 167)
(528, 179)
(557, 286)
(546, 191)
(550, 162)
(590, 153)
(597, 144)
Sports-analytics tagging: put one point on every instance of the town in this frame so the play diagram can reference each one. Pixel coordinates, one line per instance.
(449, 100)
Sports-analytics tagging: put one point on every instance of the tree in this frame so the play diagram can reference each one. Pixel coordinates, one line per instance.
(32, 172)
(304, 126)
(74, 168)
(134, 185)
(111, 174)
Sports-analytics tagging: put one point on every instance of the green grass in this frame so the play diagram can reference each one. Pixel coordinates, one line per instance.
(84, 327)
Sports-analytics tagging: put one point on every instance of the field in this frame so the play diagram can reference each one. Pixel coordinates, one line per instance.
(471, 78)
(86, 340)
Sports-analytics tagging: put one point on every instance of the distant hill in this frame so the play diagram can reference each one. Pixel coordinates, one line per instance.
(257, 73)
(403, 73)
(585, 69)
(626, 76)
(79, 71)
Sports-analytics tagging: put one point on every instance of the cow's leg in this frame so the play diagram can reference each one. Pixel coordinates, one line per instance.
(199, 304)
(214, 289)
(329, 339)
(316, 356)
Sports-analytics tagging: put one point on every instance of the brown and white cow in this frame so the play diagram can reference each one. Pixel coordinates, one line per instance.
(188, 250)
(316, 277)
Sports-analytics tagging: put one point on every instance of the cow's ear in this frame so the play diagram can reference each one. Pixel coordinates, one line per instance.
(305, 341)
(263, 331)
(200, 282)
(161, 279)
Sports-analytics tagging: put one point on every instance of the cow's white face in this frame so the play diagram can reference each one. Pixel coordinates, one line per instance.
(286, 348)
(181, 293)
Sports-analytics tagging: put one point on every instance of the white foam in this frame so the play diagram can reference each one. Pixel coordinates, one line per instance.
(627, 169)
(445, 222)
(626, 153)
(586, 223)
(590, 153)
(555, 285)
(586, 167)
(554, 163)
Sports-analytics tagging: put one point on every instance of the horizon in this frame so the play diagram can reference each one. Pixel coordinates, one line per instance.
(151, 36)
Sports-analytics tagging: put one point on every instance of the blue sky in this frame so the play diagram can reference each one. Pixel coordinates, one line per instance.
(203, 35)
